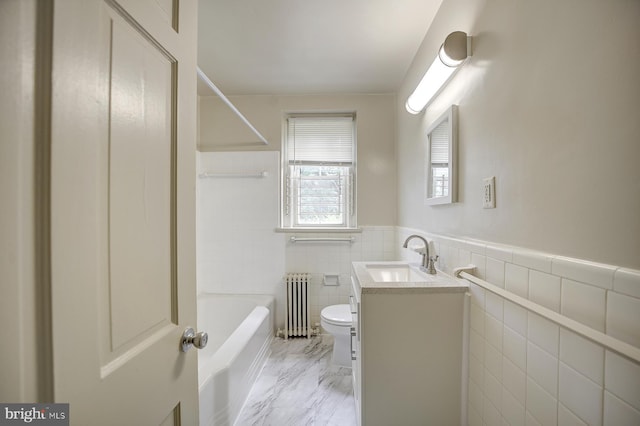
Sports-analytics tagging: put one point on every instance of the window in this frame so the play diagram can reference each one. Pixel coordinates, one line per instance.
(319, 172)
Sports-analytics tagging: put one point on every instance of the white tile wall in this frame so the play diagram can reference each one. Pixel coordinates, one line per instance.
(319, 258)
(491, 413)
(515, 348)
(494, 305)
(512, 410)
(495, 271)
(542, 367)
(544, 289)
(235, 223)
(514, 380)
(493, 362)
(548, 375)
(476, 372)
(500, 252)
(584, 303)
(582, 355)
(618, 412)
(477, 319)
(596, 274)
(513, 352)
(622, 378)
(476, 345)
(544, 333)
(515, 317)
(627, 281)
(475, 401)
(542, 406)
(623, 317)
(238, 250)
(580, 395)
(533, 260)
(530, 420)
(481, 265)
(517, 279)
(567, 418)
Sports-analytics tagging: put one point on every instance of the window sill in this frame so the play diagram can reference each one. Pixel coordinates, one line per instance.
(319, 230)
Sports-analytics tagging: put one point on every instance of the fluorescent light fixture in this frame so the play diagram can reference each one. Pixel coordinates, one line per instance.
(453, 52)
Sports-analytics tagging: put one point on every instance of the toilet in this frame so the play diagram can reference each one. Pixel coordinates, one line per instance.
(336, 319)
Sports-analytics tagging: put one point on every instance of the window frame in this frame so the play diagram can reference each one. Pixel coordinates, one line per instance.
(289, 219)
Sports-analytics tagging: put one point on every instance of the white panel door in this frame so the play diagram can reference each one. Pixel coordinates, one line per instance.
(123, 210)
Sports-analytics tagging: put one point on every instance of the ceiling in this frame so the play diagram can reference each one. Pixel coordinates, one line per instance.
(288, 47)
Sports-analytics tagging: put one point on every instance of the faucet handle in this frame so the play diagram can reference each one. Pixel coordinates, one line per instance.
(431, 268)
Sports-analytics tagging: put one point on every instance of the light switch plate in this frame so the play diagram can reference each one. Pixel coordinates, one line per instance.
(489, 193)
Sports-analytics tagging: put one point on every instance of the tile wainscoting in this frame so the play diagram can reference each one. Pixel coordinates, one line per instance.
(334, 258)
(525, 369)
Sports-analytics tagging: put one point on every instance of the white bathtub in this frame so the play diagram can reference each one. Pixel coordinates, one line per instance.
(240, 329)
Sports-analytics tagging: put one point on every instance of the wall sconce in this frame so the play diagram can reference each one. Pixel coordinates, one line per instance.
(455, 49)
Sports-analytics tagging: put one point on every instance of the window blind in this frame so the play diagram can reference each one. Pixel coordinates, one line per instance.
(326, 140)
(440, 144)
(320, 171)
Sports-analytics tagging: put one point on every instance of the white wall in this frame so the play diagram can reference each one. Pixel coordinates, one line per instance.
(239, 251)
(334, 258)
(548, 104)
(229, 226)
(524, 369)
(220, 129)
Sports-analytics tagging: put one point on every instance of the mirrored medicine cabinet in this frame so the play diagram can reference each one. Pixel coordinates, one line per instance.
(440, 165)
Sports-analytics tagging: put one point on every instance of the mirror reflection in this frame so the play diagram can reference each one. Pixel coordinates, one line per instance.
(441, 142)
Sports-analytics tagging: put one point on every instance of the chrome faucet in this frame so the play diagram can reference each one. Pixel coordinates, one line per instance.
(427, 261)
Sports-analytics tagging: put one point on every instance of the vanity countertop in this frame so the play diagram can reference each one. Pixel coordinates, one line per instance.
(400, 277)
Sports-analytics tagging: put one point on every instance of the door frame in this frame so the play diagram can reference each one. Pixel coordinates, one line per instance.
(25, 112)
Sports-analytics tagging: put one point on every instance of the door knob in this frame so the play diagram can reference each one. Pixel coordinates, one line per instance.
(191, 338)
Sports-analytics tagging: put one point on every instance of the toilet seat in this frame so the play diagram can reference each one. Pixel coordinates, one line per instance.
(338, 315)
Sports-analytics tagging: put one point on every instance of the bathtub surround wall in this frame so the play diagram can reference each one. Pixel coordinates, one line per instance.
(238, 251)
(523, 368)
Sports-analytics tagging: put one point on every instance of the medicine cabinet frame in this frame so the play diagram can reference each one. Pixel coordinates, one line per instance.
(444, 130)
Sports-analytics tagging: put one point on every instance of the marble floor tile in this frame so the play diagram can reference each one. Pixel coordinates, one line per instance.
(299, 386)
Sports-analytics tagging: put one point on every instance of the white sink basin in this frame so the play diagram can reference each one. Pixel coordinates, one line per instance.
(397, 273)
(390, 276)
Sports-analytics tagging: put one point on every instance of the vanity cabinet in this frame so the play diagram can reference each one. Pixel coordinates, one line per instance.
(407, 346)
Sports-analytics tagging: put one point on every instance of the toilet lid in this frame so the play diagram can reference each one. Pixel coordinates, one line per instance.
(337, 314)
